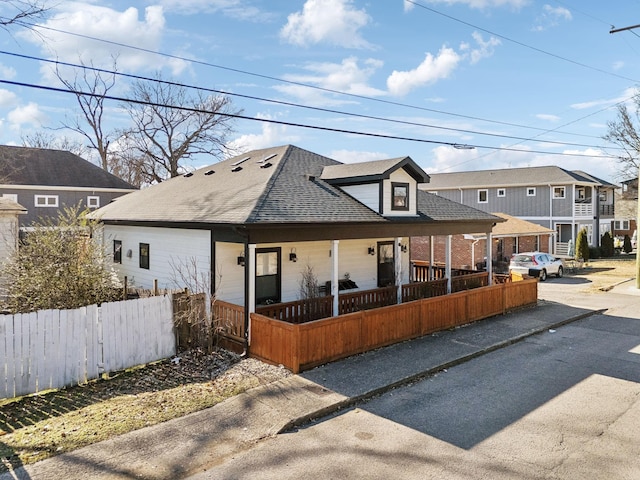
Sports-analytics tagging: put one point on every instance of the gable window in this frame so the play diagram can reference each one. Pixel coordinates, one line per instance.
(117, 251)
(502, 192)
(93, 202)
(399, 196)
(483, 196)
(144, 256)
(46, 200)
(531, 191)
(559, 192)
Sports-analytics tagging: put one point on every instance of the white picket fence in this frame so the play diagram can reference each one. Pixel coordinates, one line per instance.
(59, 348)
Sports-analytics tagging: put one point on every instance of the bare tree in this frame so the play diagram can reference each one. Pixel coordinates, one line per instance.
(624, 131)
(170, 126)
(49, 141)
(90, 123)
(19, 11)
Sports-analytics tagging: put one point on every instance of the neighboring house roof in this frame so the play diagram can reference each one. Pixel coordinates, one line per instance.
(9, 206)
(280, 185)
(53, 168)
(372, 171)
(514, 227)
(511, 177)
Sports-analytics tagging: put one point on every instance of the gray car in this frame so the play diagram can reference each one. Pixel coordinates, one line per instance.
(536, 264)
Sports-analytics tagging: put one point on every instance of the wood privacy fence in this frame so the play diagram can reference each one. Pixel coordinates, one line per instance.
(58, 348)
(302, 346)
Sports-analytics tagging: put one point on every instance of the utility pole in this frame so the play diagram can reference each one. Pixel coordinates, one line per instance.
(615, 30)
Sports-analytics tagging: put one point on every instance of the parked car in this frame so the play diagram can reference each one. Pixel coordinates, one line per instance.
(536, 264)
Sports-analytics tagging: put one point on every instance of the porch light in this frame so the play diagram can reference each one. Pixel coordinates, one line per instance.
(241, 260)
(292, 256)
(371, 251)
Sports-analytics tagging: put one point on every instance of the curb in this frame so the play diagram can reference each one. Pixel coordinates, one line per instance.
(352, 401)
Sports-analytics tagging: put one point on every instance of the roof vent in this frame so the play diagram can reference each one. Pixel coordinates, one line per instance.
(236, 169)
(240, 161)
(311, 178)
(188, 174)
(266, 165)
(268, 157)
(209, 172)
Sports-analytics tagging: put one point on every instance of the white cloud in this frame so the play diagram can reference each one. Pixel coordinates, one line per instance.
(7, 72)
(123, 27)
(548, 117)
(626, 96)
(429, 71)
(408, 6)
(238, 9)
(355, 156)
(7, 98)
(27, 114)
(348, 77)
(551, 17)
(485, 49)
(485, 3)
(617, 65)
(335, 22)
(271, 134)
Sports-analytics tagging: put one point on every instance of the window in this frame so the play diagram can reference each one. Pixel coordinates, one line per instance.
(483, 195)
(268, 276)
(580, 193)
(502, 192)
(117, 251)
(93, 202)
(144, 255)
(531, 191)
(603, 196)
(11, 196)
(46, 200)
(621, 225)
(558, 192)
(399, 196)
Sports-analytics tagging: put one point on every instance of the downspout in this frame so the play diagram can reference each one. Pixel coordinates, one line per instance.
(473, 253)
(596, 215)
(551, 218)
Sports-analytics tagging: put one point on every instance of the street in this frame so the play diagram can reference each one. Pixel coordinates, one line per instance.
(564, 404)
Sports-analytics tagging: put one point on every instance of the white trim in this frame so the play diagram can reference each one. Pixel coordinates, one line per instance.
(501, 192)
(564, 192)
(93, 199)
(486, 195)
(533, 191)
(46, 199)
(11, 196)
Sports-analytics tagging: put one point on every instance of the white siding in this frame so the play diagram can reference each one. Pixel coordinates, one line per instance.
(168, 249)
(400, 176)
(229, 275)
(368, 194)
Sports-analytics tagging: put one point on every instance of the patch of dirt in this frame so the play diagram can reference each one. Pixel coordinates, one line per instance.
(39, 426)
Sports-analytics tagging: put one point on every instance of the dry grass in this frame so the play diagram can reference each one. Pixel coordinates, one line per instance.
(605, 273)
(39, 426)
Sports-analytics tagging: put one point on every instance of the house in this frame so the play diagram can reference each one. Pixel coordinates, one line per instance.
(514, 235)
(626, 208)
(251, 225)
(561, 200)
(47, 181)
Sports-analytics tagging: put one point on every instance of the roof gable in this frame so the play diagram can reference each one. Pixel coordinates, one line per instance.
(374, 171)
(53, 168)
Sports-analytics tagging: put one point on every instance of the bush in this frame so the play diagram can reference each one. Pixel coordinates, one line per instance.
(582, 245)
(595, 252)
(606, 245)
(626, 244)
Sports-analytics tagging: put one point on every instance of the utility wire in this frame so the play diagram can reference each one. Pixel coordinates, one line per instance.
(291, 82)
(297, 105)
(291, 124)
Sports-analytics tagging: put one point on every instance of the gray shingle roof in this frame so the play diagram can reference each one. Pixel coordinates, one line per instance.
(286, 188)
(509, 177)
(55, 168)
(7, 205)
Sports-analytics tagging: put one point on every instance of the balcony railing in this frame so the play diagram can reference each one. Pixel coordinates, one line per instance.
(607, 210)
(583, 210)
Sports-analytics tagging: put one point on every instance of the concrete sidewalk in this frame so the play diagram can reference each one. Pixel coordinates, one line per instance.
(190, 444)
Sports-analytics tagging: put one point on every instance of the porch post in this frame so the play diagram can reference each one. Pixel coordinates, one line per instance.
(334, 277)
(398, 272)
(489, 258)
(430, 258)
(250, 266)
(447, 261)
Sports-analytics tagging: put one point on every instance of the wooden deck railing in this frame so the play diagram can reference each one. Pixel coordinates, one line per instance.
(467, 282)
(299, 311)
(418, 290)
(367, 299)
(420, 271)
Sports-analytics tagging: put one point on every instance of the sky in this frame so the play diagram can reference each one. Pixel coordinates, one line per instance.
(457, 85)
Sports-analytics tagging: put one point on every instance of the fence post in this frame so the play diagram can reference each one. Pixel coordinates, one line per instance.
(155, 287)
(124, 288)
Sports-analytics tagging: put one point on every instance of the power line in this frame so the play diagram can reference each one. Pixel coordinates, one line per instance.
(291, 82)
(297, 105)
(291, 124)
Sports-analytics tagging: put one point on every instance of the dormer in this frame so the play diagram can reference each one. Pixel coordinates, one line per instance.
(389, 187)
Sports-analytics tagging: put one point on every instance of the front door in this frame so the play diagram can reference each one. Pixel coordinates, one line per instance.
(267, 276)
(386, 264)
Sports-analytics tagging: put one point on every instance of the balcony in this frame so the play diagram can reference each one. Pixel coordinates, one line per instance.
(607, 211)
(583, 210)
